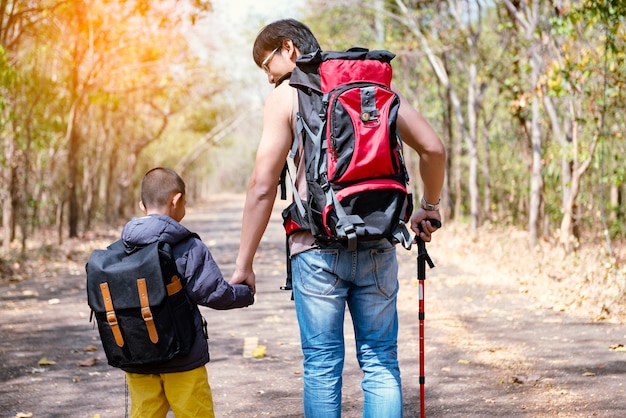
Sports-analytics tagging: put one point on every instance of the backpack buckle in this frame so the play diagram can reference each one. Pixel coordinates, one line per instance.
(350, 232)
(369, 112)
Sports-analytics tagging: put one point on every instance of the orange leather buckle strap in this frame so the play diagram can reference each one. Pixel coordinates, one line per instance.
(110, 314)
(174, 287)
(146, 313)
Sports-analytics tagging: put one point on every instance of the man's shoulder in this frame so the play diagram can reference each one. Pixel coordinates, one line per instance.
(281, 100)
(283, 90)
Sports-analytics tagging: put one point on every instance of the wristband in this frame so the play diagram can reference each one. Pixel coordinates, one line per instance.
(429, 206)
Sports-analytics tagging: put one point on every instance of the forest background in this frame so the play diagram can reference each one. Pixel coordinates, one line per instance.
(528, 97)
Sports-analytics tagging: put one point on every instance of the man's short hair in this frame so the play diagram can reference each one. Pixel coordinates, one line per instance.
(273, 35)
(158, 185)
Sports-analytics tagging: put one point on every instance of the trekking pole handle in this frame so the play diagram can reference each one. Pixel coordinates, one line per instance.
(434, 222)
(422, 254)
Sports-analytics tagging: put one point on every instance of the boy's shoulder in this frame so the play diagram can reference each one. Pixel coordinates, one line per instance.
(193, 237)
(156, 227)
(191, 244)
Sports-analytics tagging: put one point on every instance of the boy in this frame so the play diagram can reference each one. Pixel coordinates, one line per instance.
(180, 383)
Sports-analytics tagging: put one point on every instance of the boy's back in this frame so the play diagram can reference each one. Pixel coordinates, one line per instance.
(202, 278)
(180, 383)
(143, 313)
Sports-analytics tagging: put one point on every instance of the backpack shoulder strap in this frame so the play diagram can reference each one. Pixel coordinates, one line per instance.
(305, 76)
(117, 245)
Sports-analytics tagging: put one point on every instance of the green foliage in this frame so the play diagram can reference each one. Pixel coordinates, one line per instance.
(127, 75)
(8, 77)
(91, 85)
(581, 49)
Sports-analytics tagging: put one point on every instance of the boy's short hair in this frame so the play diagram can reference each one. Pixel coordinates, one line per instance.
(273, 35)
(158, 185)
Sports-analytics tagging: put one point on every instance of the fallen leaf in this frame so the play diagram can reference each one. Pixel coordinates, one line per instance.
(589, 374)
(526, 379)
(24, 415)
(259, 351)
(90, 348)
(463, 361)
(45, 362)
(89, 362)
(249, 345)
(618, 347)
(54, 301)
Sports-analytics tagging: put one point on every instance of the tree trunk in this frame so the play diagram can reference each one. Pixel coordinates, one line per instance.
(379, 24)
(568, 236)
(527, 17)
(5, 193)
(440, 71)
(453, 163)
(454, 151)
(89, 190)
(72, 182)
(472, 149)
(536, 178)
(411, 158)
(486, 173)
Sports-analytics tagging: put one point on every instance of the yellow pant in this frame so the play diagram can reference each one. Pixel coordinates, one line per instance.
(187, 393)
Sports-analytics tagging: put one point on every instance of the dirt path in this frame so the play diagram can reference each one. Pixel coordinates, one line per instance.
(492, 348)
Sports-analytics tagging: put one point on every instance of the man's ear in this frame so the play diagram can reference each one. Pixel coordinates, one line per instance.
(291, 49)
(143, 208)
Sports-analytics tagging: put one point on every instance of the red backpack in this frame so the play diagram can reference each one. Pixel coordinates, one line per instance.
(355, 173)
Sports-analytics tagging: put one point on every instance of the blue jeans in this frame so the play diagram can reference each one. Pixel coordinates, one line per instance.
(324, 281)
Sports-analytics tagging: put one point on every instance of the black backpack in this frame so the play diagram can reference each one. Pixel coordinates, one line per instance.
(355, 173)
(140, 305)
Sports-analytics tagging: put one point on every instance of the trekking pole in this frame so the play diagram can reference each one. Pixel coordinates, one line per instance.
(288, 280)
(422, 259)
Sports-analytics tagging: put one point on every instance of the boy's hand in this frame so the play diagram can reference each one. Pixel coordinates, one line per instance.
(246, 277)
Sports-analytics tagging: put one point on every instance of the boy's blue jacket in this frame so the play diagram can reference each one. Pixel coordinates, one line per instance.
(203, 280)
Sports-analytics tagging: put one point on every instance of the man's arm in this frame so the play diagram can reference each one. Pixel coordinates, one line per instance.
(275, 143)
(417, 133)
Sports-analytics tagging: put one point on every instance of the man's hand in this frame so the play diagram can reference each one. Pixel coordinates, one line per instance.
(420, 218)
(246, 277)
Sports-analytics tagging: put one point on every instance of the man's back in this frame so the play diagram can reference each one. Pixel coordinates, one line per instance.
(346, 120)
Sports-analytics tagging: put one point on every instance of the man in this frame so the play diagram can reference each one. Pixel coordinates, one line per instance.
(327, 278)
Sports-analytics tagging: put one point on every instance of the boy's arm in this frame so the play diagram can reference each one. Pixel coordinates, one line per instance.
(205, 285)
(417, 133)
(274, 145)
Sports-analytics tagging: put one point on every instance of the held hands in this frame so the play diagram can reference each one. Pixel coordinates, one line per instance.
(246, 277)
(424, 223)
